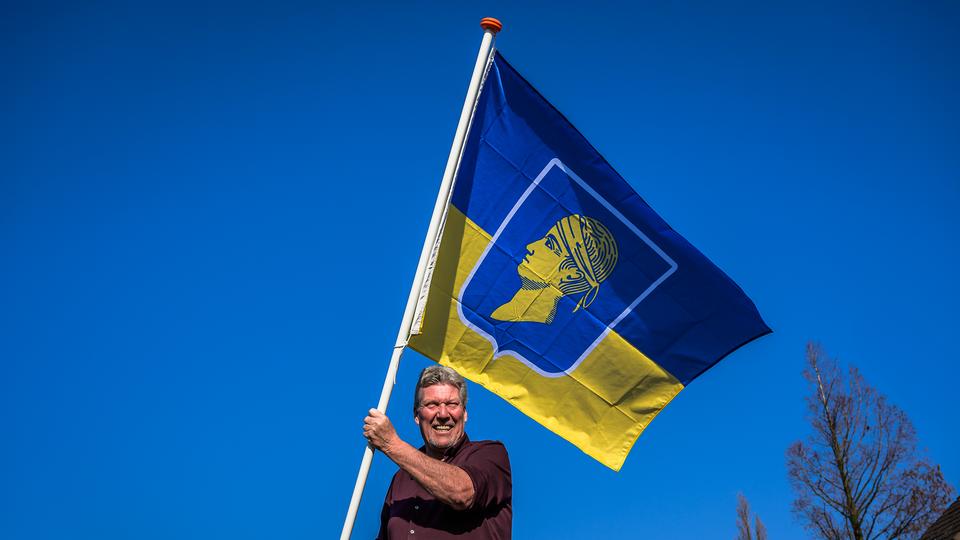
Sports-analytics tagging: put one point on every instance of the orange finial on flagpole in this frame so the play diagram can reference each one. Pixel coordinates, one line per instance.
(491, 24)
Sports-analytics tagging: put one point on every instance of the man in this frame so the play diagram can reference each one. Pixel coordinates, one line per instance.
(451, 487)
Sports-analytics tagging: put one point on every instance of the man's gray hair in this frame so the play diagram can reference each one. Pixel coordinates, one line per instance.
(438, 374)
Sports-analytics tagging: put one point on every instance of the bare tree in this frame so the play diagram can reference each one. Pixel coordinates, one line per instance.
(859, 475)
(761, 529)
(743, 522)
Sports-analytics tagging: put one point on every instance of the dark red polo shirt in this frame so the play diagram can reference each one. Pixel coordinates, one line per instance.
(411, 512)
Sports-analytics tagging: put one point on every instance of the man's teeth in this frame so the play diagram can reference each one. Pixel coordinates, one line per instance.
(443, 428)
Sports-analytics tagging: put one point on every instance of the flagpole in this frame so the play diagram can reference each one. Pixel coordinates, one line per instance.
(490, 28)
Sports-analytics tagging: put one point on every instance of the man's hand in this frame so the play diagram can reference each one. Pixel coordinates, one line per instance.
(448, 483)
(378, 429)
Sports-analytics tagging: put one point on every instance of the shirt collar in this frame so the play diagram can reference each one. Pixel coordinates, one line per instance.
(451, 451)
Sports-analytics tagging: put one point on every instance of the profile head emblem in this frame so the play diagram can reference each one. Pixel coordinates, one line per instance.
(572, 259)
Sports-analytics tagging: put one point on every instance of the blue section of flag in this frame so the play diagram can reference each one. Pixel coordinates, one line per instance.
(663, 296)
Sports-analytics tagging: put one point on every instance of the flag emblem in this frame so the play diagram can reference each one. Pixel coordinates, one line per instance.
(573, 257)
(540, 301)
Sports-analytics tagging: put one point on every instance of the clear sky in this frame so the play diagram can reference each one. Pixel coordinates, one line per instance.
(210, 215)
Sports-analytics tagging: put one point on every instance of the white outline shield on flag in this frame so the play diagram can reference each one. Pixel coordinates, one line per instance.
(603, 328)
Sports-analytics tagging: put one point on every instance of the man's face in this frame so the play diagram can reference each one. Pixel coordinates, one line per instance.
(441, 416)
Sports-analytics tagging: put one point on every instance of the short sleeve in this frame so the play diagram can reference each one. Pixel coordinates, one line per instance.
(489, 469)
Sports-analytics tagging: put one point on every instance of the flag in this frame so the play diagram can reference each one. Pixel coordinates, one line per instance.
(555, 286)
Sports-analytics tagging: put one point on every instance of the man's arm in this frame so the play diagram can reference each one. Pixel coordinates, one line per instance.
(448, 483)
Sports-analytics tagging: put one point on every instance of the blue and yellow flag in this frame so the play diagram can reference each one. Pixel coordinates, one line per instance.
(558, 288)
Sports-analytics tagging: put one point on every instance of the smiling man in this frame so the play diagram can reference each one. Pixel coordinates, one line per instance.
(451, 487)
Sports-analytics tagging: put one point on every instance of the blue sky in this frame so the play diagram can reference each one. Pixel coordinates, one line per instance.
(210, 214)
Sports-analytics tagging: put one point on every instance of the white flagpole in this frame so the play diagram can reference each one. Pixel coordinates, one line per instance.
(490, 28)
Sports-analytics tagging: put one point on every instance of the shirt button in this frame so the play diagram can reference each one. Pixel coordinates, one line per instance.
(416, 507)
(411, 531)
